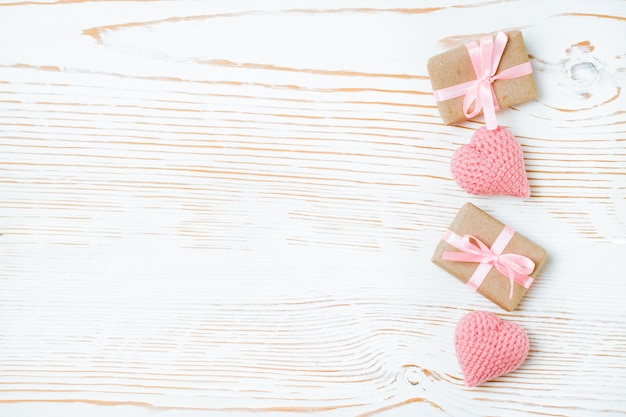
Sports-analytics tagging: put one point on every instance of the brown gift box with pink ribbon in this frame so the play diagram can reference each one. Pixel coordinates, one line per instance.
(455, 67)
(489, 257)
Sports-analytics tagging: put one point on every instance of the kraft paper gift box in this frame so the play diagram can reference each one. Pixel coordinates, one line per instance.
(455, 67)
(494, 235)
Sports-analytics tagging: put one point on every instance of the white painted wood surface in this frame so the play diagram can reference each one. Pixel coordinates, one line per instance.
(228, 208)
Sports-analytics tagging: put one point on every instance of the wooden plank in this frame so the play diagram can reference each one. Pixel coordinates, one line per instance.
(226, 208)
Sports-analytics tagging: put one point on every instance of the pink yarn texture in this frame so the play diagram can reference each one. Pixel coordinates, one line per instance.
(492, 163)
(488, 347)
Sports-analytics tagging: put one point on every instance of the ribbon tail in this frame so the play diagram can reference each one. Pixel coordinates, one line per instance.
(487, 97)
(514, 277)
(511, 275)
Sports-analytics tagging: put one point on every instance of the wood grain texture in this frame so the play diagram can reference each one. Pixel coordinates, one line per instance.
(229, 208)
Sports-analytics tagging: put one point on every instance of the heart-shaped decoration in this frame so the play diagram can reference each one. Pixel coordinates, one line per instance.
(488, 347)
(492, 163)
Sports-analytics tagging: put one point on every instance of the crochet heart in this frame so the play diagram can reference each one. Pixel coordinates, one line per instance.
(488, 347)
(492, 163)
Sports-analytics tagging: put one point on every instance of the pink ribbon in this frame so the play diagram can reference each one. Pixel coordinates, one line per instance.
(479, 93)
(515, 267)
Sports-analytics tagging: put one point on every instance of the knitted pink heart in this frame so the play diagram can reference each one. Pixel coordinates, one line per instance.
(488, 347)
(492, 163)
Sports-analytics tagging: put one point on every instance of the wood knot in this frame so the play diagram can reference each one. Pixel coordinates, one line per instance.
(583, 73)
(416, 375)
(413, 375)
(582, 69)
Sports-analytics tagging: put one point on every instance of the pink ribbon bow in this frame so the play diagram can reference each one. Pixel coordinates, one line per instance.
(479, 93)
(516, 267)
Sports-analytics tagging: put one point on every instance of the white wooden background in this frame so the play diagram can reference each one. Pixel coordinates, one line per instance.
(229, 208)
